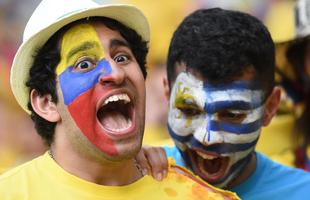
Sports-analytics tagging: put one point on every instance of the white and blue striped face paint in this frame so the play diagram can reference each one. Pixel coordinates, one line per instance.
(216, 127)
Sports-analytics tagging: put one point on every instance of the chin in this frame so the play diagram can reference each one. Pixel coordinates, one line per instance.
(128, 149)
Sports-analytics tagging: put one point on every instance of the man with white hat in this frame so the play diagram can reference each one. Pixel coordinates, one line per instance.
(80, 73)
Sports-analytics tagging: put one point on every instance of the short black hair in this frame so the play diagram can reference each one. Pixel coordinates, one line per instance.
(42, 75)
(220, 44)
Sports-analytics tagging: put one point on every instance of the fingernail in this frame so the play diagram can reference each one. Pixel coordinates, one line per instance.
(159, 177)
(144, 172)
(165, 173)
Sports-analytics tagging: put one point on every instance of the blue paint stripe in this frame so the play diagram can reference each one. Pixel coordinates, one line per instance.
(234, 105)
(177, 137)
(236, 85)
(74, 84)
(235, 128)
(236, 168)
(208, 127)
(222, 148)
(218, 148)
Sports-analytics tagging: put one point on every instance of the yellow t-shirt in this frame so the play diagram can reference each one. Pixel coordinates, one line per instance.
(43, 179)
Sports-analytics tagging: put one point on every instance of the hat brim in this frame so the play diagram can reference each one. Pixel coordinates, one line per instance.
(23, 60)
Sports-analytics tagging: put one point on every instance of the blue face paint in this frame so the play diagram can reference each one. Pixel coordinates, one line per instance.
(73, 84)
(220, 121)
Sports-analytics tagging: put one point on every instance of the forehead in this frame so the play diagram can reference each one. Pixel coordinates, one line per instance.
(247, 74)
(91, 38)
(245, 91)
(93, 31)
(77, 34)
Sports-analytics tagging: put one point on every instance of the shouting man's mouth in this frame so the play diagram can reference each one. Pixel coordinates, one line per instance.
(209, 166)
(116, 114)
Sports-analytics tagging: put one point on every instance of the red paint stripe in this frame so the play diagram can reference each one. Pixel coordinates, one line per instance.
(83, 111)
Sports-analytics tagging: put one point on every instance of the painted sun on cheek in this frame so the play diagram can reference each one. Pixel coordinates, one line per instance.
(185, 102)
(183, 98)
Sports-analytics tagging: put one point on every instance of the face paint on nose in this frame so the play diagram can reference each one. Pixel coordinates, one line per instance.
(225, 123)
(80, 86)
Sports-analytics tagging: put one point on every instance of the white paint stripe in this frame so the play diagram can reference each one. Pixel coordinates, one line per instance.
(238, 155)
(234, 138)
(245, 95)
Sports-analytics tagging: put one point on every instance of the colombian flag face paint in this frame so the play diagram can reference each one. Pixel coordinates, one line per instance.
(81, 91)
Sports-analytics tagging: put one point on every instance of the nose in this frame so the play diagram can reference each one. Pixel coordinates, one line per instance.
(206, 136)
(117, 75)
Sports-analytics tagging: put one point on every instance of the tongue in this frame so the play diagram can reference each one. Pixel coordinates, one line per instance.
(210, 166)
(114, 121)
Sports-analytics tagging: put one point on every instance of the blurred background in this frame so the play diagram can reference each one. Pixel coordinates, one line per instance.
(18, 139)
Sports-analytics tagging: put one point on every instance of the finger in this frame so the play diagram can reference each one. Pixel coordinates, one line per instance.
(153, 157)
(142, 163)
(163, 160)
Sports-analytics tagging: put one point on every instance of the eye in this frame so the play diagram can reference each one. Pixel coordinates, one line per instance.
(188, 109)
(231, 116)
(84, 65)
(190, 112)
(122, 59)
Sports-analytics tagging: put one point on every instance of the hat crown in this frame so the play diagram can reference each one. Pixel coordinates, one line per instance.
(302, 18)
(50, 11)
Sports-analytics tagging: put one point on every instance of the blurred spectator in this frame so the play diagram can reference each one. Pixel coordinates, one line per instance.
(156, 108)
(297, 84)
(18, 140)
(280, 22)
(291, 128)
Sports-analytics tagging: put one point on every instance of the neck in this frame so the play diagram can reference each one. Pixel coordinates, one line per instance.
(110, 173)
(246, 172)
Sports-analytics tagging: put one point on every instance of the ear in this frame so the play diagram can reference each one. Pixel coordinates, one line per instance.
(272, 105)
(166, 88)
(44, 106)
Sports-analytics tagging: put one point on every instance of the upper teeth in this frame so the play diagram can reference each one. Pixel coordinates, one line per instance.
(206, 156)
(117, 97)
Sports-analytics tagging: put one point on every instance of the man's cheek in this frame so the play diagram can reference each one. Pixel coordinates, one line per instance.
(179, 124)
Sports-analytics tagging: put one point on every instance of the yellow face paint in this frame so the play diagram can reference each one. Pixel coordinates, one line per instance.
(79, 41)
(184, 100)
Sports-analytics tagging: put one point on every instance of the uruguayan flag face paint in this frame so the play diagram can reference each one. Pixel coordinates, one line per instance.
(216, 127)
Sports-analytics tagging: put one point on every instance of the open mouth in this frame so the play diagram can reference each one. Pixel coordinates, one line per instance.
(209, 166)
(116, 114)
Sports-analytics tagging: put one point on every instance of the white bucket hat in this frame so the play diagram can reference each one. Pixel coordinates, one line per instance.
(52, 15)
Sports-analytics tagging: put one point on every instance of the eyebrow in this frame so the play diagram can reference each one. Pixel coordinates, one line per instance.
(230, 105)
(118, 43)
(83, 47)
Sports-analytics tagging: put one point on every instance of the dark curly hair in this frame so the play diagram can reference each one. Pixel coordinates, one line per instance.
(42, 75)
(221, 44)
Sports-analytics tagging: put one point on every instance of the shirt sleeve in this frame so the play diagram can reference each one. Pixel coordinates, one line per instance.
(172, 151)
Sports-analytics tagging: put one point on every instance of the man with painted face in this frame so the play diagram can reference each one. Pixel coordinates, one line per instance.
(220, 74)
(80, 74)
